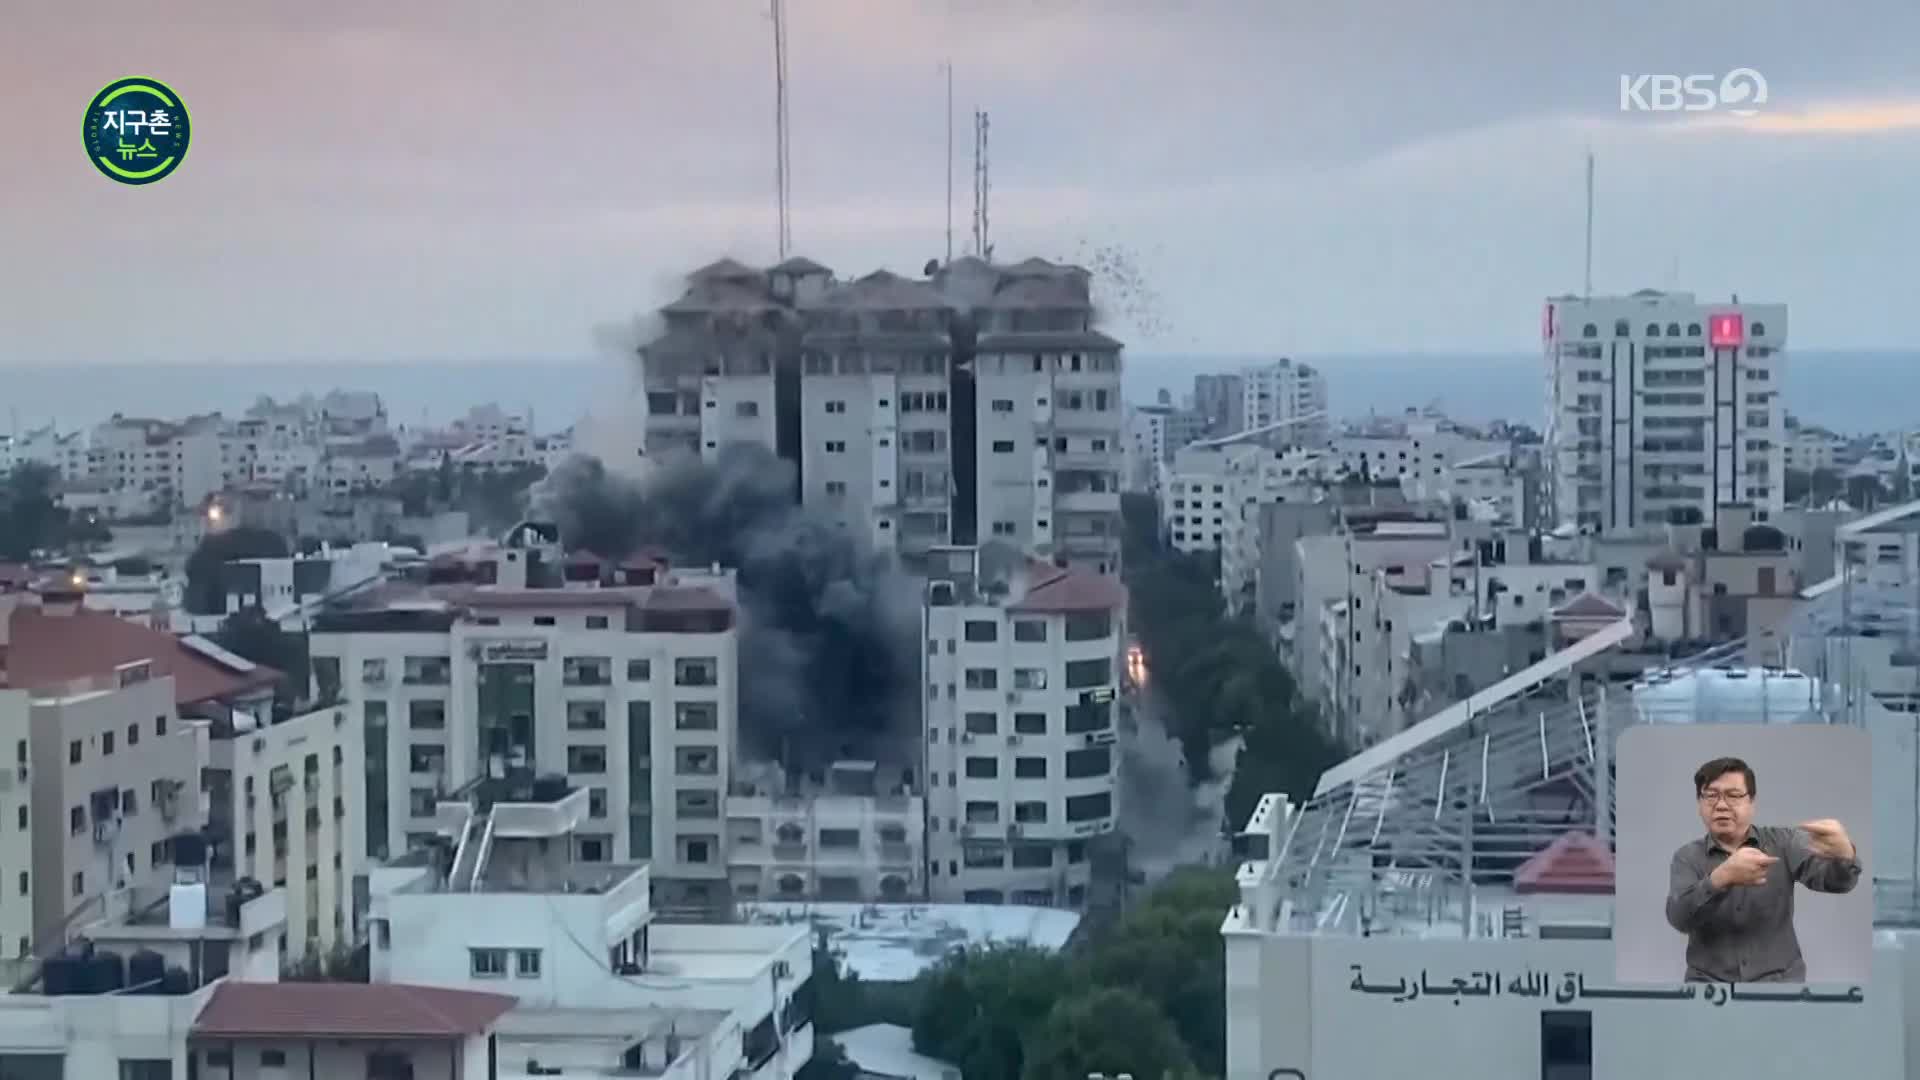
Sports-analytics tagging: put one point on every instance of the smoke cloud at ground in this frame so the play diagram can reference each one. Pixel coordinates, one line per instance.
(1168, 821)
(829, 655)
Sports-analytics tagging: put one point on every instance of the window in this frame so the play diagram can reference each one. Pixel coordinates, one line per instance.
(1030, 768)
(74, 751)
(488, 963)
(1091, 716)
(1030, 813)
(1003, 405)
(587, 759)
(696, 716)
(526, 963)
(1029, 678)
(77, 820)
(427, 715)
(981, 630)
(982, 723)
(1029, 723)
(836, 406)
(1029, 630)
(133, 734)
(1003, 446)
(981, 812)
(596, 802)
(696, 671)
(696, 803)
(586, 716)
(596, 622)
(746, 409)
(586, 670)
(836, 487)
(426, 758)
(979, 678)
(836, 446)
(1092, 627)
(80, 884)
(982, 768)
(639, 670)
(1566, 1044)
(1085, 673)
(696, 761)
(1092, 761)
(1090, 807)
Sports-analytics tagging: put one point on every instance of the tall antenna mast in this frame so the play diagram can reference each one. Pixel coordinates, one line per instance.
(781, 177)
(949, 66)
(1588, 294)
(982, 244)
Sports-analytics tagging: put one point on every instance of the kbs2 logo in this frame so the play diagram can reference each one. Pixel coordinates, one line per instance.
(1740, 92)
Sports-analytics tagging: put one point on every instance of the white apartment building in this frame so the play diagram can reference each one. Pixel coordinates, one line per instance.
(856, 837)
(1420, 454)
(1209, 496)
(1285, 392)
(1659, 401)
(1146, 447)
(977, 404)
(359, 463)
(627, 690)
(577, 944)
(1808, 449)
(1020, 671)
(284, 808)
(1257, 478)
(65, 454)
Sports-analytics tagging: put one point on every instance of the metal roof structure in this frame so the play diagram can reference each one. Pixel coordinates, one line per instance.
(1460, 801)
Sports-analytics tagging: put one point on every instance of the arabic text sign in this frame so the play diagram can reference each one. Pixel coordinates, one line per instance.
(1572, 986)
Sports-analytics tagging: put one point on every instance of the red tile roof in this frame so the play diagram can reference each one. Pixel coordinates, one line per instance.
(346, 1011)
(1576, 862)
(1055, 590)
(46, 649)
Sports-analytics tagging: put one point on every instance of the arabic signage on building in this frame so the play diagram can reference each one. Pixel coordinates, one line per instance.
(1566, 988)
(501, 652)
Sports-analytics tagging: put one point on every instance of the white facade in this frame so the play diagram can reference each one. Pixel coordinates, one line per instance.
(1285, 392)
(827, 846)
(1021, 764)
(1257, 477)
(878, 369)
(288, 799)
(638, 707)
(1658, 401)
(1146, 447)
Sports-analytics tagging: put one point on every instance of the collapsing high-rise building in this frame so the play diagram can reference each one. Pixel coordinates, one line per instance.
(977, 404)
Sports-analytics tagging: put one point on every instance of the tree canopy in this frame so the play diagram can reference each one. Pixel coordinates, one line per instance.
(32, 519)
(203, 593)
(1218, 676)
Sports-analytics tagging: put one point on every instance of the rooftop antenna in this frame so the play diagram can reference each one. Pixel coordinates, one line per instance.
(1588, 294)
(781, 178)
(948, 66)
(982, 246)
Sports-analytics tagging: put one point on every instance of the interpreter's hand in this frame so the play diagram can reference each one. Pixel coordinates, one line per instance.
(1828, 839)
(1748, 866)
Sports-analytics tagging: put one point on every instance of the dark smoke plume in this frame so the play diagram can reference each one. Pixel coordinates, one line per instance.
(829, 653)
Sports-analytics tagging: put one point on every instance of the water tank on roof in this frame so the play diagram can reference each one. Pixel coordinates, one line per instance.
(189, 849)
(59, 975)
(145, 970)
(109, 972)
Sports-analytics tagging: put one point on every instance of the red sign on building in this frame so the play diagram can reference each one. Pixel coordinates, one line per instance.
(1726, 331)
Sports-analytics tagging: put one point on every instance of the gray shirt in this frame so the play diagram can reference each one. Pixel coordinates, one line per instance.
(1745, 933)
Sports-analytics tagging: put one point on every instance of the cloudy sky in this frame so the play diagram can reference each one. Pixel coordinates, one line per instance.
(494, 178)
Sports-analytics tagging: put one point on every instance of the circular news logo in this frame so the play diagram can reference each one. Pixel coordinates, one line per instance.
(136, 131)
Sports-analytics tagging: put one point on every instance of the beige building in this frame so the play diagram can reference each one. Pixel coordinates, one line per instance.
(106, 768)
(284, 807)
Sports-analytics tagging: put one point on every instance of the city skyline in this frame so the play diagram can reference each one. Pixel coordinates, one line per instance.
(1424, 206)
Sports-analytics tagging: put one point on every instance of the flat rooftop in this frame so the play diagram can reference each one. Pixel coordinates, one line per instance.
(896, 942)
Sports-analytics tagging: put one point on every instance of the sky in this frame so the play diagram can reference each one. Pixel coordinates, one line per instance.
(492, 179)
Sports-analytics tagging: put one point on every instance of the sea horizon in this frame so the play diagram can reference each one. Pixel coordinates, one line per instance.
(1853, 391)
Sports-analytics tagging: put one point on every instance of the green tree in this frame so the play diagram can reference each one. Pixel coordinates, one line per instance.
(829, 1062)
(1110, 1030)
(204, 595)
(32, 519)
(1169, 951)
(251, 634)
(978, 1006)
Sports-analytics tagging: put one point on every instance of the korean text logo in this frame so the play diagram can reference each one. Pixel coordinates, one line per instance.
(136, 131)
(1740, 92)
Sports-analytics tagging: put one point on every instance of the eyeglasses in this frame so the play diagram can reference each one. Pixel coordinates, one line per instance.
(1726, 798)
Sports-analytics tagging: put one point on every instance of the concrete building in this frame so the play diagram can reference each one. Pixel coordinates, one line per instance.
(1660, 401)
(1375, 928)
(284, 807)
(859, 836)
(510, 910)
(976, 404)
(1220, 401)
(1277, 576)
(1020, 671)
(624, 682)
(1285, 392)
(1146, 447)
(106, 764)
